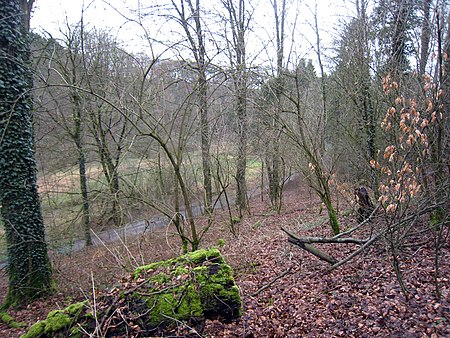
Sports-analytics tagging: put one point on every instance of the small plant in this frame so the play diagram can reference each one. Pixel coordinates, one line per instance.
(221, 242)
(257, 225)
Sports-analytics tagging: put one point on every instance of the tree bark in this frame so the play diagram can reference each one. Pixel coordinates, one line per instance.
(29, 268)
(238, 28)
(308, 247)
(78, 140)
(425, 36)
(273, 159)
(197, 46)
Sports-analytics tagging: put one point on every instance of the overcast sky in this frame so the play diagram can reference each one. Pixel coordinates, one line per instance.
(52, 15)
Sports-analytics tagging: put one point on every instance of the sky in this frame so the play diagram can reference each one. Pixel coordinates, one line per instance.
(52, 16)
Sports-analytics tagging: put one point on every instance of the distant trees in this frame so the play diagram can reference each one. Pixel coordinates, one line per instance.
(354, 100)
(29, 268)
(192, 116)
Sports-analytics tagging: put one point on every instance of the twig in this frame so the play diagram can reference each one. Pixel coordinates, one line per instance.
(261, 289)
(193, 331)
(354, 253)
(310, 240)
(359, 225)
(94, 305)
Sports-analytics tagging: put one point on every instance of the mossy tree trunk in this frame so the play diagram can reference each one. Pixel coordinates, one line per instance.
(29, 269)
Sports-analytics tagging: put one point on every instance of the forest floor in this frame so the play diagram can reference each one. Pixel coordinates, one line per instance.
(359, 299)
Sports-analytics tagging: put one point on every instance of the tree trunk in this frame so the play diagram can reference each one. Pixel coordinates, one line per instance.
(425, 36)
(78, 140)
(198, 49)
(86, 219)
(29, 268)
(109, 163)
(237, 23)
(273, 162)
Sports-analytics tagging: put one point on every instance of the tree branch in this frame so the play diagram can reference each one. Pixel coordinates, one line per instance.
(271, 282)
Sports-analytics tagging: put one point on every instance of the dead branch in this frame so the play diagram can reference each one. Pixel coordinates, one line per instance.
(375, 238)
(367, 220)
(305, 242)
(354, 253)
(311, 249)
(257, 292)
(334, 239)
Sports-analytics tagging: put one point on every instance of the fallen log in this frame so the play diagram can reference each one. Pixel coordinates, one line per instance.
(153, 301)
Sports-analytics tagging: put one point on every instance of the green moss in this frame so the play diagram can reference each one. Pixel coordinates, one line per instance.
(75, 309)
(221, 242)
(181, 305)
(35, 330)
(56, 320)
(195, 257)
(149, 267)
(6, 318)
(191, 305)
(334, 222)
(192, 285)
(199, 256)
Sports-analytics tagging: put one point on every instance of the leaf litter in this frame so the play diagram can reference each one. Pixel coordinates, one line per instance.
(286, 292)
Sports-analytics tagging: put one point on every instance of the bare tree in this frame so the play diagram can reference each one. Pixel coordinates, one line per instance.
(186, 11)
(69, 104)
(273, 156)
(238, 23)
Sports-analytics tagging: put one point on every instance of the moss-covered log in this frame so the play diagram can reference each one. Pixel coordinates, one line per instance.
(155, 300)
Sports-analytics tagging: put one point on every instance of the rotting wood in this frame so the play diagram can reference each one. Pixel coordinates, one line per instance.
(365, 204)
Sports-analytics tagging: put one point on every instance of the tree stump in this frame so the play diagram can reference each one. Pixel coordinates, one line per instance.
(365, 204)
(157, 299)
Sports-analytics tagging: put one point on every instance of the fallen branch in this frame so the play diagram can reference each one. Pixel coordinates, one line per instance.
(310, 248)
(367, 220)
(310, 240)
(354, 253)
(305, 242)
(257, 292)
(373, 240)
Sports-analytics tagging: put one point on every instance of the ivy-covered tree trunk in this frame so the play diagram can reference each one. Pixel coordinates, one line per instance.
(29, 269)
